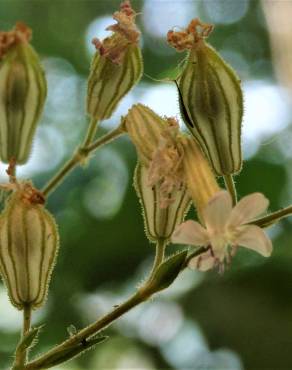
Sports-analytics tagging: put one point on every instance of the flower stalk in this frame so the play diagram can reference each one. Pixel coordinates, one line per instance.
(141, 295)
(159, 255)
(21, 353)
(79, 156)
(272, 218)
(230, 186)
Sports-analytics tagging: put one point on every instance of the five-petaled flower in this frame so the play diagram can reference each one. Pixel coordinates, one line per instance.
(225, 229)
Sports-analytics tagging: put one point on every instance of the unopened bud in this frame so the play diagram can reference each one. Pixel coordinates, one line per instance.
(22, 93)
(199, 176)
(160, 222)
(28, 246)
(210, 98)
(145, 128)
(117, 65)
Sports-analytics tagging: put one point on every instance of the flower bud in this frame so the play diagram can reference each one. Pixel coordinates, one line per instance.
(160, 222)
(28, 247)
(117, 65)
(210, 98)
(199, 176)
(145, 128)
(159, 178)
(22, 93)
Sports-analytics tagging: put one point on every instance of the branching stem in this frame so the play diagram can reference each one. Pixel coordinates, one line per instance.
(142, 294)
(80, 156)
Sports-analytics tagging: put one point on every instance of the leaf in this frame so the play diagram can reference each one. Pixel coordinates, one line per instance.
(167, 272)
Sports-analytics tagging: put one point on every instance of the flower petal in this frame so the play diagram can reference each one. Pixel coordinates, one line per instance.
(253, 237)
(248, 208)
(203, 262)
(217, 211)
(190, 232)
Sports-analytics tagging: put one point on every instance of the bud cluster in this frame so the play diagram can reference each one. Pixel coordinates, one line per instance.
(174, 170)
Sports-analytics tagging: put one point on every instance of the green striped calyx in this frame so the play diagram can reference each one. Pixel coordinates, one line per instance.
(116, 67)
(160, 222)
(28, 246)
(145, 129)
(211, 103)
(23, 91)
(159, 179)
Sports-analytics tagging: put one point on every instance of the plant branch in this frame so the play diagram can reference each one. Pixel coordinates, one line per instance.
(21, 354)
(79, 157)
(140, 296)
(230, 186)
(143, 293)
(159, 256)
(272, 218)
(86, 333)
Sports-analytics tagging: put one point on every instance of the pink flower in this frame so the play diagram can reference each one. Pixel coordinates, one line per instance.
(225, 229)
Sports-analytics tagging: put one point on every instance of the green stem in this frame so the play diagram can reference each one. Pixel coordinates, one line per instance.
(90, 330)
(196, 253)
(26, 319)
(79, 156)
(272, 218)
(140, 296)
(230, 186)
(21, 355)
(91, 132)
(159, 256)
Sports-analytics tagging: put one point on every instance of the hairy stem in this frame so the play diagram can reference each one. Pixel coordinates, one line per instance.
(159, 256)
(21, 355)
(90, 330)
(230, 186)
(143, 293)
(78, 157)
(272, 218)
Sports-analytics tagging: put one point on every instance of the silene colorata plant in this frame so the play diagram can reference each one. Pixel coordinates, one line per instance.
(176, 170)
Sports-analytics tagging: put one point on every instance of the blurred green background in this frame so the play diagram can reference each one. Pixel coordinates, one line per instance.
(241, 320)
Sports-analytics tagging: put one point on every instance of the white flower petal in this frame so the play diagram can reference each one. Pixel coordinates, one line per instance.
(217, 211)
(247, 209)
(253, 237)
(190, 232)
(203, 262)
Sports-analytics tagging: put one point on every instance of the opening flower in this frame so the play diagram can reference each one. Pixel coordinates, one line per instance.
(8, 39)
(191, 36)
(125, 33)
(225, 230)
